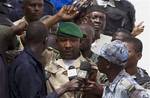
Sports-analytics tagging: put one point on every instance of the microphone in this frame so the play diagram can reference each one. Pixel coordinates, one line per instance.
(85, 69)
(72, 73)
(84, 72)
(82, 76)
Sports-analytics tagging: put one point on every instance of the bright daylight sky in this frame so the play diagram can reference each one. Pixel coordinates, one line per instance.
(143, 14)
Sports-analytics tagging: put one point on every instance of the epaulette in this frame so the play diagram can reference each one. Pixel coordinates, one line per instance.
(128, 85)
(55, 51)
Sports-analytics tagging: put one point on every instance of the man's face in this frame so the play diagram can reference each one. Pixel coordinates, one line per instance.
(69, 47)
(102, 63)
(98, 20)
(133, 55)
(33, 10)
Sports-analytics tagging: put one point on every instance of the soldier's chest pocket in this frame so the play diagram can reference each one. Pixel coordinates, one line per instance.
(61, 75)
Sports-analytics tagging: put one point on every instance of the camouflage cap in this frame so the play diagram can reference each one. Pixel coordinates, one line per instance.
(69, 29)
(115, 52)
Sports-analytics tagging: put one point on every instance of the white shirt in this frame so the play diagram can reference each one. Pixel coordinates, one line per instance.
(68, 63)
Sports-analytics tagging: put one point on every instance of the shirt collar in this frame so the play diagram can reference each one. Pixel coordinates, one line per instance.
(113, 85)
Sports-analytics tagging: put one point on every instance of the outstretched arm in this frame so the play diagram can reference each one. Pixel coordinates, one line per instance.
(66, 13)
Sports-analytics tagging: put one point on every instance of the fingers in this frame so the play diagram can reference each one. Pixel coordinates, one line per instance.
(69, 9)
(140, 24)
(138, 29)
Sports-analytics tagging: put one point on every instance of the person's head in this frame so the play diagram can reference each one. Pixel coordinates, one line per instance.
(89, 39)
(96, 16)
(121, 34)
(112, 56)
(36, 35)
(33, 9)
(68, 40)
(135, 48)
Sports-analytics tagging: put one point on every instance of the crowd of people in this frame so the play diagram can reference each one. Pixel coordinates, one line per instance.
(70, 49)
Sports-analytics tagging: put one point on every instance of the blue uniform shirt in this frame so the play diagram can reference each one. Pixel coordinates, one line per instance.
(124, 86)
(27, 78)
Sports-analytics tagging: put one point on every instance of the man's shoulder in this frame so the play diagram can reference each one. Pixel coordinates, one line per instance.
(22, 60)
(126, 81)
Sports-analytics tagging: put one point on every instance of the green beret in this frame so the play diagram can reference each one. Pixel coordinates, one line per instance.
(69, 29)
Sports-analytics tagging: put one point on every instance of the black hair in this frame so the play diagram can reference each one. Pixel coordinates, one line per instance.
(127, 34)
(36, 32)
(124, 31)
(138, 46)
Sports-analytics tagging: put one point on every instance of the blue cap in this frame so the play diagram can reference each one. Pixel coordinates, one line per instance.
(115, 52)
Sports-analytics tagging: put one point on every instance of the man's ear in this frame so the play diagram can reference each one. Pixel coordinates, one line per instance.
(139, 55)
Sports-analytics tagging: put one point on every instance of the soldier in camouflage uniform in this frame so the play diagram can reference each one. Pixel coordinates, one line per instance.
(68, 42)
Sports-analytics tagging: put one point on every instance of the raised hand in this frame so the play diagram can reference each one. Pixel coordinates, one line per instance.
(67, 12)
(138, 29)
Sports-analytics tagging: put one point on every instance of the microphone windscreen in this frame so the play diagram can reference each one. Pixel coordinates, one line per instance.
(85, 69)
(72, 72)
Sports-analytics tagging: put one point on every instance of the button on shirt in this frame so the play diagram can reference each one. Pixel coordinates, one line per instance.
(122, 86)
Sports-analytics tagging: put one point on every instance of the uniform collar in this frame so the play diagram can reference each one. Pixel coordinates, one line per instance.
(113, 85)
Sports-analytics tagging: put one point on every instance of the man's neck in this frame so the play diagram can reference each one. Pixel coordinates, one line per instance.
(37, 52)
(132, 70)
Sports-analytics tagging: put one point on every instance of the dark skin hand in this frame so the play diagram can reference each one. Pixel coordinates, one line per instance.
(69, 86)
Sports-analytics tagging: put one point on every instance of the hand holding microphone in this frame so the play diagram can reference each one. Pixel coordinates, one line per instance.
(82, 75)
